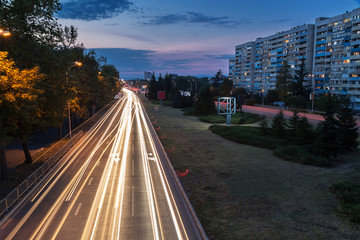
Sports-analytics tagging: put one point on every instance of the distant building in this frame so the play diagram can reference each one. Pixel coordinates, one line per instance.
(331, 48)
(257, 63)
(147, 76)
(232, 69)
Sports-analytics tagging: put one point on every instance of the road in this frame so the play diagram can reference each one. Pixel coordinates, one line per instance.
(116, 183)
(271, 112)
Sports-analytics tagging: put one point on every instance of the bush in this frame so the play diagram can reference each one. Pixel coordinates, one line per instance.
(213, 118)
(238, 118)
(250, 102)
(247, 118)
(348, 193)
(300, 154)
(246, 135)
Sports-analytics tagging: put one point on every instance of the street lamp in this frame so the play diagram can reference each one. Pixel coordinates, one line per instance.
(76, 64)
(313, 92)
(4, 33)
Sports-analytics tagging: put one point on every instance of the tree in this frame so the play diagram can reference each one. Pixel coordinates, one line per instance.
(304, 131)
(153, 88)
(161, 83)
(263, 125)
(226, 87)
(204, 104)
(297, 87)
(34, 29)
(279, 124)
(328, 139)
(283, 81)
(19, 101)
(294, 120)
(168, 85)
(347, 127)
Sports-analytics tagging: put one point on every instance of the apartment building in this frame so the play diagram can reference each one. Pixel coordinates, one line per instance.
(257, 63)
(331, 48)
(244, 65)
(232, 69)
(337, 55)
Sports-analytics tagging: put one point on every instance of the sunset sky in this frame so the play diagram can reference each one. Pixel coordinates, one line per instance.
(186, 37)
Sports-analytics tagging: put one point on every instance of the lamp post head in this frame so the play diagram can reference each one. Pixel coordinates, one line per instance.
(4, 33)
(78, 63)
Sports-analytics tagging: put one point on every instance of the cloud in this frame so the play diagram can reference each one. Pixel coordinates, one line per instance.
(132, 63)
(193, 17)
(89, 10)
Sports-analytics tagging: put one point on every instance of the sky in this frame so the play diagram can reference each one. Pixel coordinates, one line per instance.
(185, 37)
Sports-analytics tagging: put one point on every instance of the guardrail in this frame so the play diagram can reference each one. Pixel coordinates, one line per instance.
(18, 192)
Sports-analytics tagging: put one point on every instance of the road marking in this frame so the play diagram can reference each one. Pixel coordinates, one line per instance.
(132, 201)
(90, 181)
(77, 209)
(98, 163)
(132, 168)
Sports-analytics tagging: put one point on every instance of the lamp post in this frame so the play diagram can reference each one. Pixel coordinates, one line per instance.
(76, 64)
(313, 92)
(4, 33)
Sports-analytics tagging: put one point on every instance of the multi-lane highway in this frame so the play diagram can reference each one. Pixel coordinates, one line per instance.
(116, 183)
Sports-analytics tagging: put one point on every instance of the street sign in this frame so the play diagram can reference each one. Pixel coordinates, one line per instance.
(161, 95)
(227, 106)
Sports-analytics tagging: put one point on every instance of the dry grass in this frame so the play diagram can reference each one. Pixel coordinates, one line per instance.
(244, 192)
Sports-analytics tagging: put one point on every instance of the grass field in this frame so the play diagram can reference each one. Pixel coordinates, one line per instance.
(245, 192)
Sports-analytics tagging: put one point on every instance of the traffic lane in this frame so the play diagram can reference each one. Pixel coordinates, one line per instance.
(23, 210)
(71, 219)
(169, 221)
(269, 112)
(135, 220)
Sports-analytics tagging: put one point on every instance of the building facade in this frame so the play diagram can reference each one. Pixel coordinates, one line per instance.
(330, 47)
(257, 63)
(337, 55)
(244, 65)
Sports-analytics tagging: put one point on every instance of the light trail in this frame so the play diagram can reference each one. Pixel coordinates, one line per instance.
(120, 196)
(164, 182)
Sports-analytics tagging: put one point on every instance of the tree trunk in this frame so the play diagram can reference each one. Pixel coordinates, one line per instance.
(60, 131)
(3, 163)
(27, 152)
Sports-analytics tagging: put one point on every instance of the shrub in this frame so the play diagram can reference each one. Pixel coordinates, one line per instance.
(247, 118)
(246, 135)
(279, 124)
(263, 125)
(300, 154)
(250, 102)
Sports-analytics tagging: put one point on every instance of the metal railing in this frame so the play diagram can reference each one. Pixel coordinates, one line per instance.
(18, 192)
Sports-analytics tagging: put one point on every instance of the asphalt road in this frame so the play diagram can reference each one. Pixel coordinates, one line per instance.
(271, 112)
(116, 183)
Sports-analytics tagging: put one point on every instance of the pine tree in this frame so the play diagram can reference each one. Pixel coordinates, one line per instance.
(279, 124)
(161, 83)
(294, 120)
(204, 104)
(328, 139)
(153, 88)
(263, 125)
(304, 131)
(348, 127)
(297, 87)
(283, 80)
